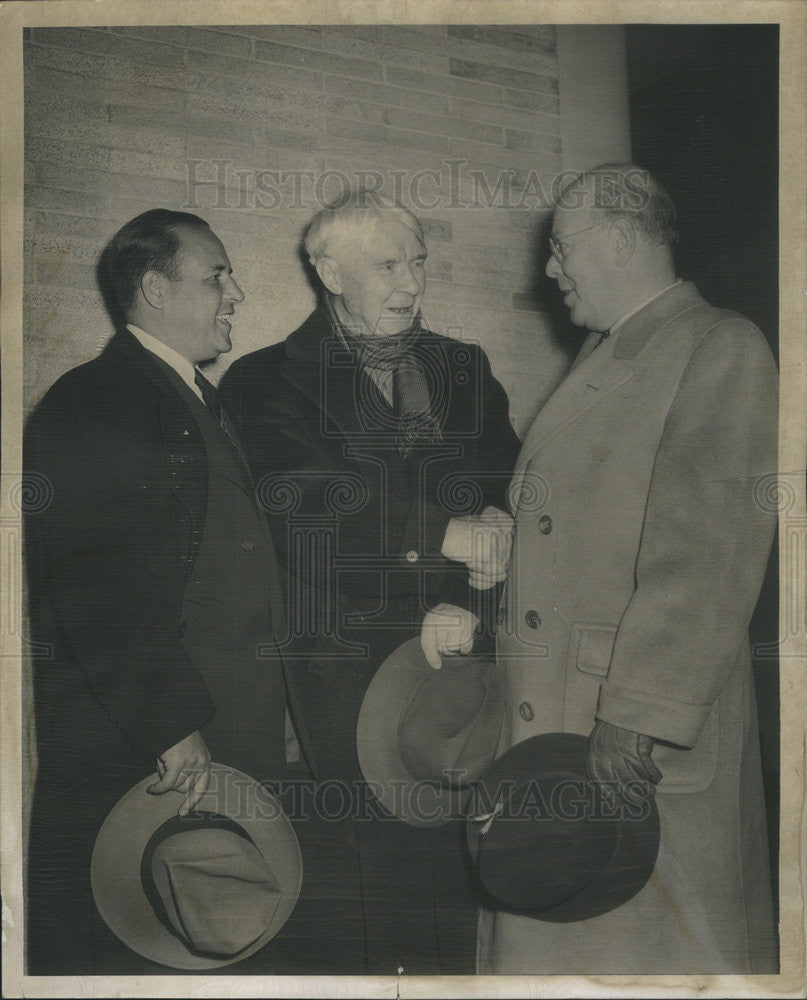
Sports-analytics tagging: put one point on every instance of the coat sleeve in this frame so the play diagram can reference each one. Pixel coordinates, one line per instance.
(105, 583)
(482, 479)
(705, 541)
(286, 449)
(484, 469)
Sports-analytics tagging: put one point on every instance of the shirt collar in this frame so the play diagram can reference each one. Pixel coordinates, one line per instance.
(181, 365)
(646, 302)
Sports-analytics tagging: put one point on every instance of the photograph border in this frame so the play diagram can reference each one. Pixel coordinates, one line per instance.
(791, 15)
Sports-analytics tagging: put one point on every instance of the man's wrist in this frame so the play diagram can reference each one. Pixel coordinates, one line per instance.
(457, 540)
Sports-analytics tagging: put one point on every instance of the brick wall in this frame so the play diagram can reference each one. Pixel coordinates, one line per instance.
(253, 127)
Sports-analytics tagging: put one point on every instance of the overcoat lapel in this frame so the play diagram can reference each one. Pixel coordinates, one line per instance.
(587, 385)
(182, 439)
(600, 370)
(313, 352)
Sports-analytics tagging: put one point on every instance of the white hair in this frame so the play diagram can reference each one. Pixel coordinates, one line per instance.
(351, 211)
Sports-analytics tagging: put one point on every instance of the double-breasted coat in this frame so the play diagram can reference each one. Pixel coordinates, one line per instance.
(124, 476)
(359, 530)
(642, 533)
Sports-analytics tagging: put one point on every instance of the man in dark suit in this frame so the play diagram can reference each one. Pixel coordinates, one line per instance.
(153, 581)
(383, 453)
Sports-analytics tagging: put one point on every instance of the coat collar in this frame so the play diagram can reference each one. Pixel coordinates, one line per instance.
(313, 349)
(590, 382)
(305, 343)
(125, 351)
(639, 330)
(600, 370)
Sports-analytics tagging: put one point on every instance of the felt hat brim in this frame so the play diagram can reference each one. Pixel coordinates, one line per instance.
(119, 846)
(418, 803)
(559, 858)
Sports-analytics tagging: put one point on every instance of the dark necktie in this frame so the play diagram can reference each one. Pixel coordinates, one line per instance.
(210, 395)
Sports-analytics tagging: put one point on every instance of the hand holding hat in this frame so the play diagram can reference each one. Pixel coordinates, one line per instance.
(544, 841)
(201, 890)
(184, 768)
(424, 736)
(446, 631)
(619, 762)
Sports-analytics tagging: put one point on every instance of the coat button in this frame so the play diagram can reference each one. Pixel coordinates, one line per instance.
(533, 619)
(526, 712)
(247, 545)
(183, 628)
(545, 524)
(411, 556)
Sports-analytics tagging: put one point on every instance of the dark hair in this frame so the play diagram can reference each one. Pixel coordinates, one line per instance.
(628, 191)
(149, 242)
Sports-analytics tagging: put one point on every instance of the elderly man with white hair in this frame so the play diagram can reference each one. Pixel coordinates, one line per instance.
(384, 453)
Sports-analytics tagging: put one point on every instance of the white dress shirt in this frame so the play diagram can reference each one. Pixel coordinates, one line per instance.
(183, 367)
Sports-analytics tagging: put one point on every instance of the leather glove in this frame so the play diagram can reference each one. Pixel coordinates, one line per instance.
(619, 762)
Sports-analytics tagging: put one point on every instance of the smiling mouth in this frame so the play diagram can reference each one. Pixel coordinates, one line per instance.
(401, 310)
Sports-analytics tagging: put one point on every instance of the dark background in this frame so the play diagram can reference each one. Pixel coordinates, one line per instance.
(704, 119)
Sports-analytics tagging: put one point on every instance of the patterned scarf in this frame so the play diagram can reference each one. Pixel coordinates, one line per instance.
(411, 402)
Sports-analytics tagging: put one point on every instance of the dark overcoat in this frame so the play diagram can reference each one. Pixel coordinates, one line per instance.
(359, 530)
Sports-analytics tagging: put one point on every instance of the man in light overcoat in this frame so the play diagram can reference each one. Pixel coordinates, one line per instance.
(640, 544)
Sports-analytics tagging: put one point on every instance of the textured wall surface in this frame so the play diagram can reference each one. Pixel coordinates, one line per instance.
(462, 123)
(255, 128)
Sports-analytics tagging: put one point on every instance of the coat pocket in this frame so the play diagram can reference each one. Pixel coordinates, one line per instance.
(591, 647)
(693, 769)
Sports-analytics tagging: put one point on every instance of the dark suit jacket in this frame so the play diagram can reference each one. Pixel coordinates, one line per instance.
(358, 529)
(110, 555)
(108, 561)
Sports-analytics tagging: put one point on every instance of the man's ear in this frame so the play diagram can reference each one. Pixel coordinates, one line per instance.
(328, 271)
(623, 235)
(152, 285)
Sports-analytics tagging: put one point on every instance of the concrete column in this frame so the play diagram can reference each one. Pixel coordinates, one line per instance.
(593, 85)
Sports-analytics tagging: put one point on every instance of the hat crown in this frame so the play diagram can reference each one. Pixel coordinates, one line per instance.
(450, 728)
(218, 891)
(225, 880)
(545, 842)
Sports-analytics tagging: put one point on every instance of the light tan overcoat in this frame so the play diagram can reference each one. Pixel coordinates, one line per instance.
(644, 521)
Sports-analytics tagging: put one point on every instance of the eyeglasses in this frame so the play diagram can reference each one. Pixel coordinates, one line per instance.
(556, 245)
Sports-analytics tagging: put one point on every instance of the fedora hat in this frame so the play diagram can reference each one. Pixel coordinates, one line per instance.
(547, 844)
(202, 890)
(425, 735)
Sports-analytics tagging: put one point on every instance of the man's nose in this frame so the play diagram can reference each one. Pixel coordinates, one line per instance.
(234, 291)
(412, 280)
(553, 268)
